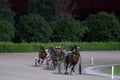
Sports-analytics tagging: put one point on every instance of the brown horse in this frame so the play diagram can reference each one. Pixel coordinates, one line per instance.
(72, 59)
(42, 55)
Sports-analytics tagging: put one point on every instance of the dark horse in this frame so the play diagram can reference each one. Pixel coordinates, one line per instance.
(72, 58)
(42, 55)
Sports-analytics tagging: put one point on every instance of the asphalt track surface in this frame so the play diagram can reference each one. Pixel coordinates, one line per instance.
(20, 66)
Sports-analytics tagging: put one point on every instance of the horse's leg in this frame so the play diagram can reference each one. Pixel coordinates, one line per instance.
(39, 58)
(39, 61)
(55, 64)
(42, 61)
(72, 69)
(66, 68)
(70, 65)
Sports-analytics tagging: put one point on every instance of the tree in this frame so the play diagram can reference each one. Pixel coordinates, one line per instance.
(7, 31)
(5, 11)
(103, 27)
(64, 7)
(33, 28)
(4, 3)
(43, 7)
(68, 29)
(52, 9)
(7, 14)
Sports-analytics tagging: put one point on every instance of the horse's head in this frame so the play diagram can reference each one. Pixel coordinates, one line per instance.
(42, 48)
(77, 48)
(51, 53)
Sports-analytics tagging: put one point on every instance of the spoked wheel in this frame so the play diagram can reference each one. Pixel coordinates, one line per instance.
(80, 69)
(36, 62)
(49, 64)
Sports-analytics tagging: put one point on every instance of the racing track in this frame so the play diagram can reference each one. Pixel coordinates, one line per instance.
(20, 66)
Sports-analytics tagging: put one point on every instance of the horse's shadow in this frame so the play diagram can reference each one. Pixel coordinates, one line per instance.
(60, 73)
(34, 65)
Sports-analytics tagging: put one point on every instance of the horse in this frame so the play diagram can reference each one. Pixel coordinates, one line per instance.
(49, 62)
(72, 59)
(55, 56)
(42, 55)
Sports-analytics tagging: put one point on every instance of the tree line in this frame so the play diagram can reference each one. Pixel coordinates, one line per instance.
(47, 20)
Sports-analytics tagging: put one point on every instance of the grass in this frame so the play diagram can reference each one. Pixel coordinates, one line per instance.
(33, 47)
(116, 70)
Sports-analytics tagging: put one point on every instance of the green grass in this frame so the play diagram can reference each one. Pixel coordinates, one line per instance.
(33, 47)
(116, 70)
